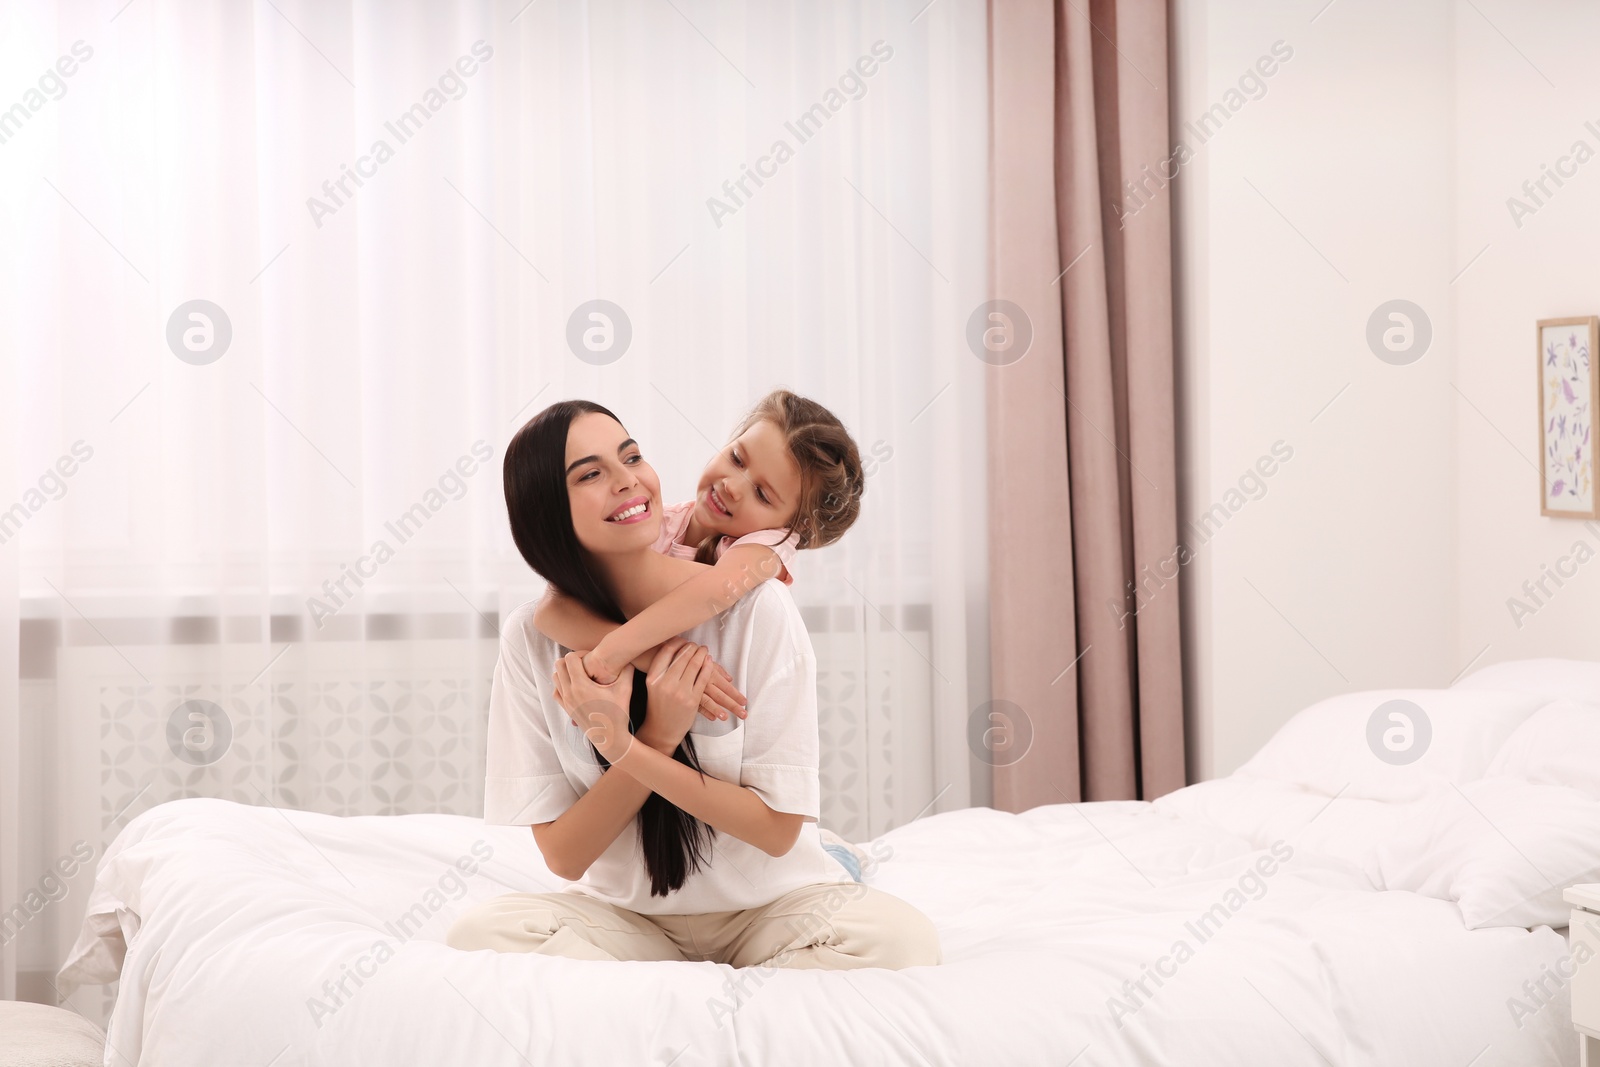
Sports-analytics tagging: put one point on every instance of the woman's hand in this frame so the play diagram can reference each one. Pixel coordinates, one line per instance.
(600, 711)
(677, 684)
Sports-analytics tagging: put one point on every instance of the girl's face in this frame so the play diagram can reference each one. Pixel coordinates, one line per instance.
(615, 495)
(752, 484)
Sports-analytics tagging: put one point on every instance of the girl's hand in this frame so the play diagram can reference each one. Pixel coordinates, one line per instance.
(600, 711)
(596, 666)
(677, 684)
(721, 698)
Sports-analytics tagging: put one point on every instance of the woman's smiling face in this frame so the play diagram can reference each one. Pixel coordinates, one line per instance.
(615, 495)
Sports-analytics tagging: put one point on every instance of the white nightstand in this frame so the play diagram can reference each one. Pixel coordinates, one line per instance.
(1584, 929)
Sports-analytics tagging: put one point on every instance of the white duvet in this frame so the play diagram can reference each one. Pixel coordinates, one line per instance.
(1094, 934)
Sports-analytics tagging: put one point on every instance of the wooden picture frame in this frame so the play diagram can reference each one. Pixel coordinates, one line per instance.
(1569, 395)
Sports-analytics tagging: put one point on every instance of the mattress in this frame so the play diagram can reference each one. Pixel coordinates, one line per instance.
(1087, 934)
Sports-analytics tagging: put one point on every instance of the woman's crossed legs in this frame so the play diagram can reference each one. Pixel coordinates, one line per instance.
(831, 926)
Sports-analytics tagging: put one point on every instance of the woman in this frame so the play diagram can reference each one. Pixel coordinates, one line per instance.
(725, 864)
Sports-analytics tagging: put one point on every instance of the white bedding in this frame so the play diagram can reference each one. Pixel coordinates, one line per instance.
(235, 916)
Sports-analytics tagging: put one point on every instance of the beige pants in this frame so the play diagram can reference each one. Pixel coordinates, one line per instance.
(838, 926)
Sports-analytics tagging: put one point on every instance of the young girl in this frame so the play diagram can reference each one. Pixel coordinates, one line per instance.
(789, 479)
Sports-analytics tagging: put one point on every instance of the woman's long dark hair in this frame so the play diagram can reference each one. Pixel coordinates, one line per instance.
(541, 525)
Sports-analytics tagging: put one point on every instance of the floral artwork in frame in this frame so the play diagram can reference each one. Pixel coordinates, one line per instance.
(1568, 393)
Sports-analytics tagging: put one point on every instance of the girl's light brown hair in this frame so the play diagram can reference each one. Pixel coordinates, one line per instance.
(831, 479)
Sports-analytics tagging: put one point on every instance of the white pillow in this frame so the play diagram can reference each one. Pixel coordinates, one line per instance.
(1263, 811)
(1502, 848)
(1571, 679)
(1357, 744)
(1557, 745)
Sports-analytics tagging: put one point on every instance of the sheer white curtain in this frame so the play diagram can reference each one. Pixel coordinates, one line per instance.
(254, 548)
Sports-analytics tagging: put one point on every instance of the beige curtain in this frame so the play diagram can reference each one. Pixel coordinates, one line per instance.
(1087, 659)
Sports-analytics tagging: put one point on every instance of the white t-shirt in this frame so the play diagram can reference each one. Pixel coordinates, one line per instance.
(539, 762)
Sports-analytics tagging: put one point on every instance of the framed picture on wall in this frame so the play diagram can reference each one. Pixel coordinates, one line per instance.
(1568, 394)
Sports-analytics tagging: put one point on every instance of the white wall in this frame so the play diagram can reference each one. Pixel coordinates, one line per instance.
(1510, 122)
(1329, 195)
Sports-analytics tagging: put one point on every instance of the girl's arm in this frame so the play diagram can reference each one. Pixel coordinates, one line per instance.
(705, 596)
(563, 619)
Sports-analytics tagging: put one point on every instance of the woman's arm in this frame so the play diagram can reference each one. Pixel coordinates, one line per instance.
(676, 682)
(602, 711)
(705, 596)
(730, 808)
(580, 834)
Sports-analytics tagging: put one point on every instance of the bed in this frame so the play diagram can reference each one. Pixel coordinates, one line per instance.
(1326, 904)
